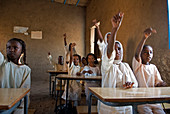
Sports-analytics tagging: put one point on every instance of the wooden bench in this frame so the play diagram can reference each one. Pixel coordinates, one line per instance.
(84, 110)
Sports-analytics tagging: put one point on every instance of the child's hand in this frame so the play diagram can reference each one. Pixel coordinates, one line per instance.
(148, 32)
(161, 84)
(128, 85)
(64, 35)
(117, 20)
(90, 72)
(73, 44)
(95, 23)
(78, 73)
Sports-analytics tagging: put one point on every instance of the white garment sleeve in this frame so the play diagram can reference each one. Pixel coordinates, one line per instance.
(132, 76)
(1, 58)
(26, 81)
(135, 64)
(101, 45)
(158, 78)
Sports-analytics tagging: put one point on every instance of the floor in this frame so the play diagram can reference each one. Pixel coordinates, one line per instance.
(41, 101)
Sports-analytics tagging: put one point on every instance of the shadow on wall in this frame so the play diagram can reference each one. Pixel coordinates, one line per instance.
(130, 50)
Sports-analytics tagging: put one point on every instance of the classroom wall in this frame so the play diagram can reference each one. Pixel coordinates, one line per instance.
(53, 19)
(139, 14)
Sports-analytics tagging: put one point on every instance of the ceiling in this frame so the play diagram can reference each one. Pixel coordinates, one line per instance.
(74, 2)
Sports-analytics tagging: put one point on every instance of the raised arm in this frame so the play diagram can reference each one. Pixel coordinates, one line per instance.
(116, 23)
(65, 43)
(147, 33)
(98, 30)
(71, 53)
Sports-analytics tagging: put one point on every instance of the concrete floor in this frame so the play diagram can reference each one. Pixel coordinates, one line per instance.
(42, 102)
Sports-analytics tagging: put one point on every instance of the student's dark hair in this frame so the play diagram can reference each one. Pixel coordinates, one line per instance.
(23, 48)
(95, 58)
(78, 57)
(146, 46)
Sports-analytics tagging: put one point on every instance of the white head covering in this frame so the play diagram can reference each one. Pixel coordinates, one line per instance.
(105, 37)
(120, 60)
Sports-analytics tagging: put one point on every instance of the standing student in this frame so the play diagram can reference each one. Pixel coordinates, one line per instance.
(74, 91)
(102, 42)
(116, 74)
(91, 70)
(146, 73)
(14, 74)
(67, 50)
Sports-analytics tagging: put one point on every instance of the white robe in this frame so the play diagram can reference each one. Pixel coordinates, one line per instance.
(147, 76)
(74, 89)
(115, 76)
(14, 76)
(67, 56)
(96, 72)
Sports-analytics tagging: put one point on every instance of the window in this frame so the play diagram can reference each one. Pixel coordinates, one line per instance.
(168, 2)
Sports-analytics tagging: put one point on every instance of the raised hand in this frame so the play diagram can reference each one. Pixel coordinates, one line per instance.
(73, 44)
(148, 32)
(95, 23)
(117, 20)
(64, 35)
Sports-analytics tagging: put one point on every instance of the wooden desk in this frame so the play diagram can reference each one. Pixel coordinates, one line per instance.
(133, 96)
(67, 77)
(54, 73)
(10, 99)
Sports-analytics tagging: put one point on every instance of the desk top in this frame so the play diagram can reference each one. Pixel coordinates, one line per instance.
(132, 94)
(65, 77)
(57, 72)
(10, 96)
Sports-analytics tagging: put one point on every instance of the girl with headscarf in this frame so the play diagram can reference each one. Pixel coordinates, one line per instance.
(115, 72)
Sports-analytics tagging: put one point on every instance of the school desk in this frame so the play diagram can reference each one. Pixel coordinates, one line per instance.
(67, 77)
(132, 96)
(10, 98)
(54, 73)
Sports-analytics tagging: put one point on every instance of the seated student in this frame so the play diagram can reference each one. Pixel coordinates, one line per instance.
(83, 62)
(115, 72)
(74, 91)
(67, 50)
(91, 70)
(147, 74)
(13, 74)
(57, 66)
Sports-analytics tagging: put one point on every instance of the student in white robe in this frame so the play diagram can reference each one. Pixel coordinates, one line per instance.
(116, 74)
(67, 50)
(91, 70)
(75, 88)
(147, 74)
(13, 74)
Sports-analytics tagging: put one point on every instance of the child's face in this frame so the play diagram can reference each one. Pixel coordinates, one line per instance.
(118, 51)
(90, 59)
(75, 60)
(146, 55)
(14, 50)
(84, 61)
(60, 60)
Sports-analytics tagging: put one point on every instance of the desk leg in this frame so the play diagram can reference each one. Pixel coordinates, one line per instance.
(50, 84)
(26, 104)
(67, 92)
(60, 92)
(134, 108)
(89, 107)
(55, 87)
